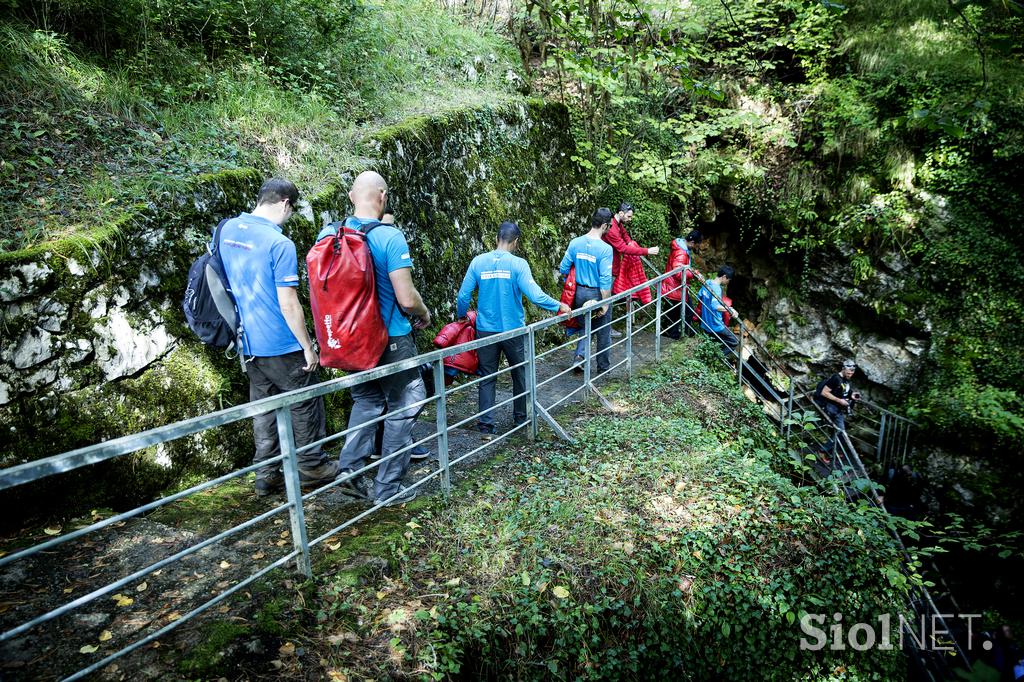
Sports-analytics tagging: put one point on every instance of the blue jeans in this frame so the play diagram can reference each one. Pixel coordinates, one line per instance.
(838, 416)
(394, 394)
(599, 324)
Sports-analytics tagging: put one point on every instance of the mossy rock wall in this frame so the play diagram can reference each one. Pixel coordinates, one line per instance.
(94, 341)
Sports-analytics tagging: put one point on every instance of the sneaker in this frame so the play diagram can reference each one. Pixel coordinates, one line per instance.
(401, 497)
(269, 486)
(419, 452)
(311, 479)
(616, 334)
(360, 487)
(577, 364)
(485, 429)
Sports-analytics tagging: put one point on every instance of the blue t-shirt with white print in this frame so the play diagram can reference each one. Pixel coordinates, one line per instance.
(593, 261)
(258, 259)
(390, 252)
(502, 280)
(710, 315)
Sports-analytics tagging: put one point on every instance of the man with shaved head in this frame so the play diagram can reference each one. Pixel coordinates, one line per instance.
(402, 309)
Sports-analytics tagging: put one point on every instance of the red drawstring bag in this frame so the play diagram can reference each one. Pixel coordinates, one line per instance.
(726, 315)
(343, 297)
(454, 333)
(568, 296)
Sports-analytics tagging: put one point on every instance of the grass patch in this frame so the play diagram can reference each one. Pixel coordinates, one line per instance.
(91, 126)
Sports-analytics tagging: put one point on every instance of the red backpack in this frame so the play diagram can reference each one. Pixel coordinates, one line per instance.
(568, 296)
(454, 333)
(343, 296)
(726, 315)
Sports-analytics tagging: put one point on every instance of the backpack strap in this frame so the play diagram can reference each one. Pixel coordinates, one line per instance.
(214, 246)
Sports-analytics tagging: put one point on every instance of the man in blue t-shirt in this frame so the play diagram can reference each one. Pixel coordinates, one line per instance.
(502, 280)
(593, 260)
(262, 269)
(402, 309)
(712, 307)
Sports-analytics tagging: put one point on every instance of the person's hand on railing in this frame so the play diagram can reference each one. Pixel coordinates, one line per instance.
(563, 308)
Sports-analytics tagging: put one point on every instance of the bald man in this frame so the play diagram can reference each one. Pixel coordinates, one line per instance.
(402, 309)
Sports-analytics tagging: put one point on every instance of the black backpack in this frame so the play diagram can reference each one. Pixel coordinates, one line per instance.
(209, 306)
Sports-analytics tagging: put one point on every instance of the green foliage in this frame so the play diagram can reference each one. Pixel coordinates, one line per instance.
(691, 555)
(106, 103)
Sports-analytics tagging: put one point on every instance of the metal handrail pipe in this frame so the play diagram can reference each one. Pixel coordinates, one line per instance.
(92, 454)
(99, 592)
(187, 617)
(28, 551)
(369, 422)
(495, 441)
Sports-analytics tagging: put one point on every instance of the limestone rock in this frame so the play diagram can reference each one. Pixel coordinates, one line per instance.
(34, 347)
(24, 280)
(123, 347)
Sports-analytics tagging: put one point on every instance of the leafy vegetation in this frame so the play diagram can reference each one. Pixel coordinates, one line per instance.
(694, 555)
(106, 103)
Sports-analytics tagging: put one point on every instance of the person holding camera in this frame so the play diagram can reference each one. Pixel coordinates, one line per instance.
(836, 396)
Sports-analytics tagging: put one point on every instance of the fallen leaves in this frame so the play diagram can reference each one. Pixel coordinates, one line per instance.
(141, 587)
(88, 649)
(287, 649)
(105, 635)
(122, 600)
(225, 564)
(52, 531)
(258, 555)
(560, 592)
(338, 639)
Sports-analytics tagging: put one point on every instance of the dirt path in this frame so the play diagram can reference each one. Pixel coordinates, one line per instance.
(47, 580)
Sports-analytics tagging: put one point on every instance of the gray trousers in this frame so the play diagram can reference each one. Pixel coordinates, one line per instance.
(488, 355)
(278, 374)
(599, 324)
(371, 399)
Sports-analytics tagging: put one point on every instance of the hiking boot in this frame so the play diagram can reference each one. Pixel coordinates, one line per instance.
(402, 496)
(360, 487)
(485, 429)
(419, 452)
(318, 476)
(269, 486)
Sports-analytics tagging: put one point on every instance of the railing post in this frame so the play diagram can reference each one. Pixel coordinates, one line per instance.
(789, 409)
(293, 488)
(657, 323)
(589, 353)
(629, 337)
(441, 421)
(531, 379)
(739, 356)
(880, 447)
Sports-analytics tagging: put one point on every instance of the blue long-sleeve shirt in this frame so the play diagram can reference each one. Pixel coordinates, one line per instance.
(710, 313)
(502, 280)
(593, 261)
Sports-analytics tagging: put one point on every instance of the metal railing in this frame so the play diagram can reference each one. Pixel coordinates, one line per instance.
(759, 371)
(295, 504)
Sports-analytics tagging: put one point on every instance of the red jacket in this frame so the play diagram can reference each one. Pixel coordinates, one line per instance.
(677, 258)
(454, 333)
(627, 269)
